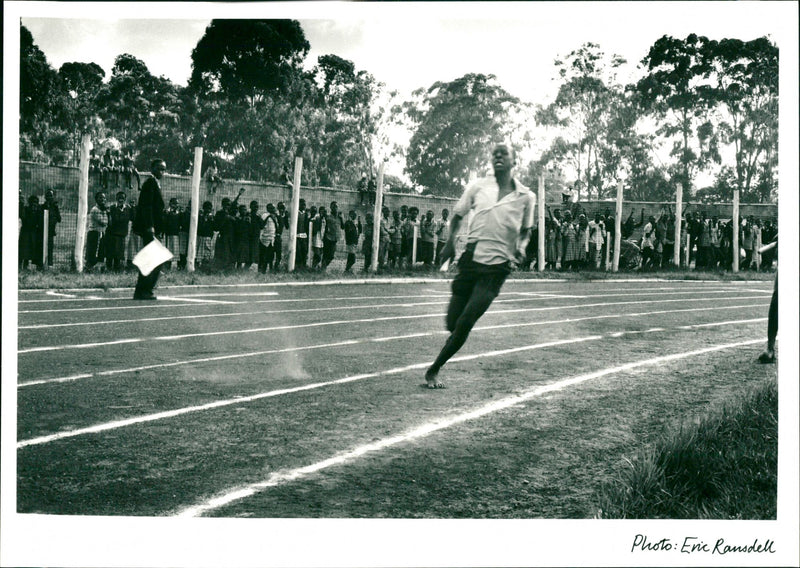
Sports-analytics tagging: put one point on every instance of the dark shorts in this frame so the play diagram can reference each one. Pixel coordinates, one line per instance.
(470, 273)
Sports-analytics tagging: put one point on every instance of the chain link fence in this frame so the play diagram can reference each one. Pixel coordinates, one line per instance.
(52, 244)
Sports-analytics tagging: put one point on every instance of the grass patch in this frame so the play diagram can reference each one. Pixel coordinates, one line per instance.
(65, 278)
(723, 467)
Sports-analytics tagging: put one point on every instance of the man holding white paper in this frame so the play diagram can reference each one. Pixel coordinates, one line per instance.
(149, 221)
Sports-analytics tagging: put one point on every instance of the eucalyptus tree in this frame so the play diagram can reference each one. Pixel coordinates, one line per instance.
(745, 90)
(674, 91)
(582, 114)
(454, 125)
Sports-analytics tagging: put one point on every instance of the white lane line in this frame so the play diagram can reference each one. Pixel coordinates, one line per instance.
(718, 323)
(226, 314)
(380, 340)
(438, 294)
(321, 324)
(198, 300)
(297, 310)
(51, 293)
(288, 475)
(531, 281)
(74, 298)
(239, 400)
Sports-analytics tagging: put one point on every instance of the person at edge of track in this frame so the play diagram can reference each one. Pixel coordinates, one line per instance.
(768, 356)
(148, 221)
(498, 235)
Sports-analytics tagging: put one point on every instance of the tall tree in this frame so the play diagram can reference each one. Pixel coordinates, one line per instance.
(673, 92)
(345, 99)
(456, 123)
(582, 111)
(246, 59)
(251, 91)
(746, 90)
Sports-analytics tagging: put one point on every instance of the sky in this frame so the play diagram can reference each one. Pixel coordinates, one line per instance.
(404, 47)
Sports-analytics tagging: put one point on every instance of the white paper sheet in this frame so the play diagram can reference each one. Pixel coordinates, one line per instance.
(151, 256)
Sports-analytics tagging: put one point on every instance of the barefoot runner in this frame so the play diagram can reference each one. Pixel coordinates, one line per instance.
(498, 234)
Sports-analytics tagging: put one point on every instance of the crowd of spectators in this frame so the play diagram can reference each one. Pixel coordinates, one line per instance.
(577, 240)
(239, 237)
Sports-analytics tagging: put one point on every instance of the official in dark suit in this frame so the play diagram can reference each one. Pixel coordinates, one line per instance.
(148, 221)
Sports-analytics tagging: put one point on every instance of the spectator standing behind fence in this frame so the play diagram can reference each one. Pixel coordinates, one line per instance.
(213, 178)
(129, 171)
(109, 167)
(31, 233)
(318, 223)
(427, 230)
(95, 236)
(597, 237)
(334, 224)
(183, 235)
(442, 234)
(266, 240)
(148, 221)
(301, 240)
(282, 217)
(630, 225)
(361, 187)
(351, 233)
(95, 168)
(369, 228)
(241, 237)
(395, 239)
(648, 243)
(384, 238)
(408, 235)
(569, 243)
(53, 219)
(223, 224)
(256, 224)
(205, 235)
(746, 240)
(119, 216)
(172, 229)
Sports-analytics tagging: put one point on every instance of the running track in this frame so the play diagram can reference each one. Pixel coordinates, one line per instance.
(123, 395)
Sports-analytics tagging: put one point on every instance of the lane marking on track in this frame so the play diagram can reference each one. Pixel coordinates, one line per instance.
(74, 298)
(281, 477)
(111, 372)
(242, 399)
(340, 322)
(198, 300)
(602, 293)
(532, 281)
(51, 293)
(299, 310)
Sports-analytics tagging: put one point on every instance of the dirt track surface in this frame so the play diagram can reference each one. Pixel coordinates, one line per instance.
(307, 399)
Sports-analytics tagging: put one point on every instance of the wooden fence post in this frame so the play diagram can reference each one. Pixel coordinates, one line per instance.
(735, 222)
(377, 216)
(617, 228)
(676, 252)
(540, 261)
(83, 201)
(197, 168)
(46, 231)
(293, 215)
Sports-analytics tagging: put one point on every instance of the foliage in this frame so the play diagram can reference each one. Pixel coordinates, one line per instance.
(594, 118)
(746, 90)
(456, 125)
(244, 60)
(674, 92)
